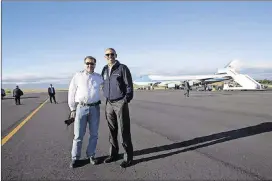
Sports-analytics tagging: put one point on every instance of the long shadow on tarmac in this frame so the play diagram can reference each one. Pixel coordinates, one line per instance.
(203, 141)
(196, 143)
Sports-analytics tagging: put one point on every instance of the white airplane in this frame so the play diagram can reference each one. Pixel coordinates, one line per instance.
(162, 80)
(145, 82)
(230, 71)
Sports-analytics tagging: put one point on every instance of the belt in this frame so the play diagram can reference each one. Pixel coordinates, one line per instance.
(92, 104)
(115, 100)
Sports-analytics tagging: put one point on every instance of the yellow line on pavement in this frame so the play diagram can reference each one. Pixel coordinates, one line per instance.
(6, 138)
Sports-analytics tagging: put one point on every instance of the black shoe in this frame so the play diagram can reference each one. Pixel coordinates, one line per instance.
(73, 164)
(111, 159)
(93, 160)
(125, 164)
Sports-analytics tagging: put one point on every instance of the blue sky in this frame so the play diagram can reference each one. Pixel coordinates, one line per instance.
(47, 41)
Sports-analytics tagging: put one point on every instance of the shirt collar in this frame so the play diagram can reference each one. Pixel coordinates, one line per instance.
(87, 73)
(112, 64)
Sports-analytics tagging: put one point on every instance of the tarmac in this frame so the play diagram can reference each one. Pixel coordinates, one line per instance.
(207, 136)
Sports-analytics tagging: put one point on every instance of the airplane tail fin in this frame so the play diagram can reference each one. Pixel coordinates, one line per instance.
(234, 65)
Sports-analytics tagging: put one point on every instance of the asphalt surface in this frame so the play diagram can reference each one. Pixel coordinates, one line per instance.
(208, 136)
(13, 114)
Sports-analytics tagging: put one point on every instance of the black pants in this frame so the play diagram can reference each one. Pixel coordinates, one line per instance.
(118, 113)
(186, 92)
(52, 96)
(17, 100)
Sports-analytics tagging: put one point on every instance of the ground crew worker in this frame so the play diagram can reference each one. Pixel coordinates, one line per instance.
(186, 88)
(205, 86)
(17, 93)
(118, 91)
(84, 100)
(51, 93)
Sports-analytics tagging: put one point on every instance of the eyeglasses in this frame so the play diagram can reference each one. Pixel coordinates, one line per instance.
(90, 63)
(108, 54)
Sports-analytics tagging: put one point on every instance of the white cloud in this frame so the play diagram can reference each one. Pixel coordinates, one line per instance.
(240, 64)
(62, 72)
(259, 65)
(36, 78)
(59, 72)
(260, 70)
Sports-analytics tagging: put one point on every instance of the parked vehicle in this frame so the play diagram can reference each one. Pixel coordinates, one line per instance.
(3, 93)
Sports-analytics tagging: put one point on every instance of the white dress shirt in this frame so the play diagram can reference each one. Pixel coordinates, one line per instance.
(84, 88)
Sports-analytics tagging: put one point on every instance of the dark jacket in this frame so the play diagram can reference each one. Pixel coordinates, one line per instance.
(17, 92)
(119, 84)
(187, 85)
(49, 91)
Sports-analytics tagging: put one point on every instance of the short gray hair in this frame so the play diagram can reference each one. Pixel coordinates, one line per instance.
(112, 49)
(90, 57)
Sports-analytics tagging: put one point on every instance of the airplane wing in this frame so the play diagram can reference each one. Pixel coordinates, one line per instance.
(183, 78)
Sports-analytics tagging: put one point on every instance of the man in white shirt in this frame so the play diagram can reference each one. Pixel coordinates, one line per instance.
(84, 100)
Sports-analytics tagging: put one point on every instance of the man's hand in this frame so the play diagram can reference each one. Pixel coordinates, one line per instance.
(126, 100)
(71, 118)
(73, 114)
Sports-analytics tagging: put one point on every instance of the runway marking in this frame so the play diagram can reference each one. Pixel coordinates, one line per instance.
(6, 138)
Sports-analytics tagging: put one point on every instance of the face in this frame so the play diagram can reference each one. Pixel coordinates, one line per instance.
(110, 56)
(89, 65)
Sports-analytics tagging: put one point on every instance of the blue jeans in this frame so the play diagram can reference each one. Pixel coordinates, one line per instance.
(84, 115)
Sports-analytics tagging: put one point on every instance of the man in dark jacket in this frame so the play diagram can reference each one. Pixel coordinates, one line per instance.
(17, 93)
(51, 93)
(118, 91)
(186, 88)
